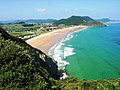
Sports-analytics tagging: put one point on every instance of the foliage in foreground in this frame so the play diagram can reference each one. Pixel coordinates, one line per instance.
(20, 68)
(74, 84)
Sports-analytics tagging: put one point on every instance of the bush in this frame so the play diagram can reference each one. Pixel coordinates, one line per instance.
(19, 69)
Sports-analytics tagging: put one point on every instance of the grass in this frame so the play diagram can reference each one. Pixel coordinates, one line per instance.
(18, 30)
(18, 34)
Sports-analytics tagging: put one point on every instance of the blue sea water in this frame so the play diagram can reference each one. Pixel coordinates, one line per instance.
(93, 53)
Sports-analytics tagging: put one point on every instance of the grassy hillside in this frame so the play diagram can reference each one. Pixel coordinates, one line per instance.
(22, 66)
(78, 20)
(74, 84)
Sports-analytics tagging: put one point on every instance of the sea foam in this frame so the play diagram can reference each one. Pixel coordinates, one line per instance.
(68, 51)
(60, 52)
(58, 56)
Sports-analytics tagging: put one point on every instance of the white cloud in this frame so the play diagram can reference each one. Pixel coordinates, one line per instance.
(40, 9)
(71, 10)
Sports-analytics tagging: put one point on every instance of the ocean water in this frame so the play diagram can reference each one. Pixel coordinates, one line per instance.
(93, 53)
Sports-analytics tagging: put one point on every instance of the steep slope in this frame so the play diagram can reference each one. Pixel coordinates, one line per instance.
(22, 66)
(78, 20)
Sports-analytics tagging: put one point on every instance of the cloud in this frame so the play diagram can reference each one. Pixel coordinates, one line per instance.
(40, 9)
(71, 10)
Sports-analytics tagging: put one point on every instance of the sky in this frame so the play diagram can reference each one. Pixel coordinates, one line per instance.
(58, 9)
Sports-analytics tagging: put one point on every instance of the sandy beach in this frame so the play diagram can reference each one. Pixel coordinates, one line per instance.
(46, 41)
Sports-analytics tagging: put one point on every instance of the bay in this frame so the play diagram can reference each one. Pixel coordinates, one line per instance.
(93, 53)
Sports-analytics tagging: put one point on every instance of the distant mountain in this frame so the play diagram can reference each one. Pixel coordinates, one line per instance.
(1, 24)
(40, 21)
(30, 21)
(103, 20)
(78, 20)
(9, 21)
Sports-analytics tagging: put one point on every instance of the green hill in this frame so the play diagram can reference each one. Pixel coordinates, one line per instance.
(22, 66)
(78, 20)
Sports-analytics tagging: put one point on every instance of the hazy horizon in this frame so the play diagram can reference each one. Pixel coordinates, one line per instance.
(52, 9)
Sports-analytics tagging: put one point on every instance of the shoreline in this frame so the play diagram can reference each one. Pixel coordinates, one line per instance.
(55, 53)
(46, 41)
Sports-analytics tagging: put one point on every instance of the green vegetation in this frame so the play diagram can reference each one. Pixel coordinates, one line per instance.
(18, 34)
(18, 30)
(74, 84)
(78, 20)
(22, 29)
(23, 67)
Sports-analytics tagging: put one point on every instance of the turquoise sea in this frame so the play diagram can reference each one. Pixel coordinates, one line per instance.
(93, 53)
